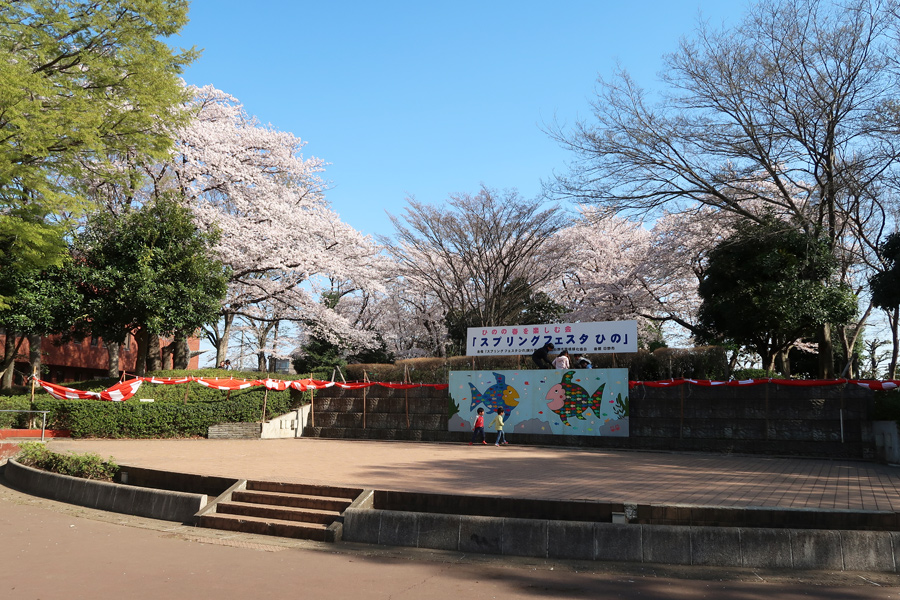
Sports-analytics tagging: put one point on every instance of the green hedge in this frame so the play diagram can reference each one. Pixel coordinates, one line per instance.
(15, 420)
(167, 416)
(162, 419)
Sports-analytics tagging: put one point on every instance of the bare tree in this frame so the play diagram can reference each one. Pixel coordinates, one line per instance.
(873, 358)
(471, 252)
(801, 91)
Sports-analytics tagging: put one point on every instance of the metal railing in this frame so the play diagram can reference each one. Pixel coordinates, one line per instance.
(43, 418)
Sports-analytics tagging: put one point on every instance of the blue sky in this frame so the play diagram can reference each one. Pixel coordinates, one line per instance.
(426, 99)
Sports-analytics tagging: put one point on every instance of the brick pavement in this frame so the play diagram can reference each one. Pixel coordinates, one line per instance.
(526, 472)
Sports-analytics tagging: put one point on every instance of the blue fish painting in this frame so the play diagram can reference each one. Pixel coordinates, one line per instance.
(497, 397)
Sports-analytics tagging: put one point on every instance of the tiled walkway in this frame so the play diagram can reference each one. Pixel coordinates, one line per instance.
(526, 472)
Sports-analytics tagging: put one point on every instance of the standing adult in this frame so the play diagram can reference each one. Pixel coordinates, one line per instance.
(541, 356)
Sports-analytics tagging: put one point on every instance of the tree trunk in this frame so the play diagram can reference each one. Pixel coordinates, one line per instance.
(732, 362)
(893, 318)
(112, 352)
(222, 347)
(181, 353)
(850, 344)
(35, 354)
(9, 360)
(826, 352)
(783, 362)
(261, 361)
(154, 359)
(140, 365)
(167, 358)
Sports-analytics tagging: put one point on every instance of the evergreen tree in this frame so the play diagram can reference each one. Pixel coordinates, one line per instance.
(769, 284)
(150, 271)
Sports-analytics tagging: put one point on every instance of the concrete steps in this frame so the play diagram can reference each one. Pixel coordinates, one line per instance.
(309, 515)
(265, 526)
(301, 511)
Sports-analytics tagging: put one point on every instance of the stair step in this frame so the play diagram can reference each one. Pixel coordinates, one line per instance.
(308, 515)
(304, 489)
(291, 500)
(245, 524)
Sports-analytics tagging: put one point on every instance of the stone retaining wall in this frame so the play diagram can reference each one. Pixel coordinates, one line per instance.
(390, 414)
(235, 431)
(664, 544)
(114, 497)
(684, 515)
(826, 421)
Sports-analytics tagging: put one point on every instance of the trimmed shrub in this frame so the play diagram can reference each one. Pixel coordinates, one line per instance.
(12, 420)
(164, 418)
(708, 362)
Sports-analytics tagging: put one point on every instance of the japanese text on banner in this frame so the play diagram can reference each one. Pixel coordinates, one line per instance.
(588, 338)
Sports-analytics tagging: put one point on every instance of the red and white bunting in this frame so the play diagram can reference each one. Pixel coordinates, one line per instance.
(121, 391)
(275, 384)
(227, 384)
(63, 393)
(168, 380)
(353, 385)
(870, 384)
(879, 385)
(124, 390)
(310, 384)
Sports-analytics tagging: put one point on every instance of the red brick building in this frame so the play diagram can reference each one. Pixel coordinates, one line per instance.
(88, 359)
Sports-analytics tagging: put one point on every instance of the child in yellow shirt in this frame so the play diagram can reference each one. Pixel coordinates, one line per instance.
(498, 423)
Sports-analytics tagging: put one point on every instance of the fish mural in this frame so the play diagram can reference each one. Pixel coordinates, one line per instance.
(569, 399)
(499, 396)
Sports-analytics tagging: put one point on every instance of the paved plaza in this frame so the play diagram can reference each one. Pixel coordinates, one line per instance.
(520, 471)
(55, 550)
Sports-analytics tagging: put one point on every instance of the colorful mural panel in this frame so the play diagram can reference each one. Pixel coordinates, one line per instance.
(549, 402)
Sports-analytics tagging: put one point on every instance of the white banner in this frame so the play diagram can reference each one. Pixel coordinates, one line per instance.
(584, 338)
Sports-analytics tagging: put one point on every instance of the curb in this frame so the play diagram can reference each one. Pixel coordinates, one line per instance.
(114, 497)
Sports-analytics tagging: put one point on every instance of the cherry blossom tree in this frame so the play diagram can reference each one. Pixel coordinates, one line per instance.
(615, 268)
(606, 255)
(281, 242)
(409, 319)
